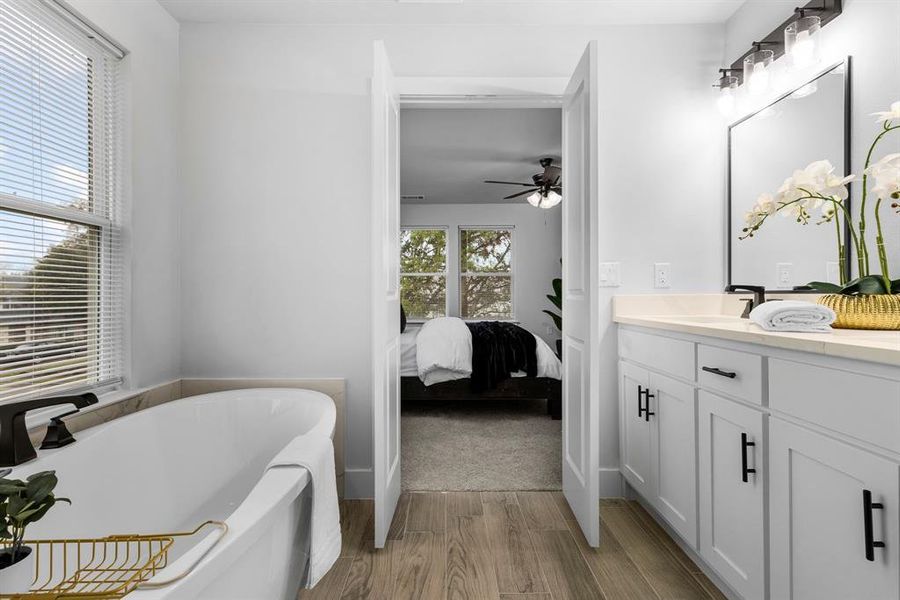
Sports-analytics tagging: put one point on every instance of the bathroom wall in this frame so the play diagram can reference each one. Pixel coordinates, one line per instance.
(537, 247)
(152, 235)
(869, 32)
(275, 170)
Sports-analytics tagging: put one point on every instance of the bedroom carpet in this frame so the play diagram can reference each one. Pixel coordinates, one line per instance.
(488, 446)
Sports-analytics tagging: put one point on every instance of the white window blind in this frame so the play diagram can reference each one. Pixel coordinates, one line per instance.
(61, 272)
(486, 273)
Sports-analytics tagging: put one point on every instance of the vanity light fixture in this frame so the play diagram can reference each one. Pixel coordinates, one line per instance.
(756, 69)
(800, 40)
(727, 85)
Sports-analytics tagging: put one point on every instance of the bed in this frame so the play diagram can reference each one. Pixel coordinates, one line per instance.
(424, 376)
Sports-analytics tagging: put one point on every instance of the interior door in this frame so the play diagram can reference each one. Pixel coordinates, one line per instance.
(581, 402)
(385, 292)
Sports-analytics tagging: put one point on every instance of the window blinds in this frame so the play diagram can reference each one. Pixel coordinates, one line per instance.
(61, 272)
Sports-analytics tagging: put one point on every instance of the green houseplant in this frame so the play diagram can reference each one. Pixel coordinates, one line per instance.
(21, 504)
(871, 300)
(556, 299)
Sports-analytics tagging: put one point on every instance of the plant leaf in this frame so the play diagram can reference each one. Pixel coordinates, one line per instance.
(868, 285)
(557, 287)
(895, 286)
(556, 300)
(825, 287)
(557, 319)
(40, 487)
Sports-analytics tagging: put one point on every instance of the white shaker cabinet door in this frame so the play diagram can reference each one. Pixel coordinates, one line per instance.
(634, 386)
(732, 493)
(833, 519)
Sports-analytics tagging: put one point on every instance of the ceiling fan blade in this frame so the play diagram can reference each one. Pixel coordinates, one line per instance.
(521, 193)
(509, 183)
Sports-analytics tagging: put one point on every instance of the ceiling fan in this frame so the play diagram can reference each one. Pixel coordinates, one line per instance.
(545, 188)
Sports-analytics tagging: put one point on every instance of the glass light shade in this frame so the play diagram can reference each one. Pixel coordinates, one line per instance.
(535, 199)
(756, 70)
(727, 87)
(801, 42)
(551, 200)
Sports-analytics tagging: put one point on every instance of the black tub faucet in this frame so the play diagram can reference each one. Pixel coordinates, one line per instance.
(15, 446)
(759, 297)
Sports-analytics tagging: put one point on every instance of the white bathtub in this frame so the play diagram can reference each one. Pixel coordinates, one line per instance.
(171, 467)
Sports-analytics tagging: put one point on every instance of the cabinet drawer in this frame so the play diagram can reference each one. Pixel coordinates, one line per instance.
(862, 406)
(730, 371)
(665, 354)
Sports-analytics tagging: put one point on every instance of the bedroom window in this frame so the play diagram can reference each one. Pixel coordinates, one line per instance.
(486, 277)
(60, 256)
(423, 272)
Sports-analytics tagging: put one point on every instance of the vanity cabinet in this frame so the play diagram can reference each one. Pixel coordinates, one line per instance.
(831, 504)
(780, 469)
(657, 441)
(732, 492)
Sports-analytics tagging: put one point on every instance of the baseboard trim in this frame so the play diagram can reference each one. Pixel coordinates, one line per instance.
(359, 483)
(611, 483)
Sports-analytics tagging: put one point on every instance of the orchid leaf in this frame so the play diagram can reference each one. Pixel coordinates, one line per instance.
(895, 286)
(825, 287)
(868, 285)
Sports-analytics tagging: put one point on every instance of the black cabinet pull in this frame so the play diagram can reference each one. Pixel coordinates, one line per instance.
(868, 507)
(745, 471)
(641, 391)
(647, 413)
(720, 372)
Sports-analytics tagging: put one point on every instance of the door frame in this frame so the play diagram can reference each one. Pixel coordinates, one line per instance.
(476, 92)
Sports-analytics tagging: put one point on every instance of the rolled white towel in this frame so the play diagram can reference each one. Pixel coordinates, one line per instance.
(793, 315)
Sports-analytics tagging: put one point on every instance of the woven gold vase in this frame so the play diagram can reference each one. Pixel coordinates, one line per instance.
(879, 311)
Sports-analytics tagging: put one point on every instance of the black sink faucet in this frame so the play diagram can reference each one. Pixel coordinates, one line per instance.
(15, 446)
(759, 297)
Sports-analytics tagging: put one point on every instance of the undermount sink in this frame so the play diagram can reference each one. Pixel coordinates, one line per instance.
(707, 319)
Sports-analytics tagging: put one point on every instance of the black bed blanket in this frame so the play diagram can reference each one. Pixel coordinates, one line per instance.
(498, 350)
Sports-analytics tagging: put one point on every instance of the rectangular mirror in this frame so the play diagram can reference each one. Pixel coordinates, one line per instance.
(808, 124)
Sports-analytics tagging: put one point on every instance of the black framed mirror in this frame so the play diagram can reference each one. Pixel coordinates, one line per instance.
(810, 122)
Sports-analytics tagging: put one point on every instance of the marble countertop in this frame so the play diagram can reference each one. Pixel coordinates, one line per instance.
(717, 315)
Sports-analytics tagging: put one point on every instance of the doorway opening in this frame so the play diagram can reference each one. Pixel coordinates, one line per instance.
(480, 287)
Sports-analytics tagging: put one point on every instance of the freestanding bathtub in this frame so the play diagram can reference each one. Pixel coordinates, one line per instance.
(174, 466)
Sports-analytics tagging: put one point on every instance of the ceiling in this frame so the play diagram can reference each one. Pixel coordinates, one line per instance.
(446, 154)
(449, 12)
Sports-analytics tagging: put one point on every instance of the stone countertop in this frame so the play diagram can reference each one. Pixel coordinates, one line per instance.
(717, 315)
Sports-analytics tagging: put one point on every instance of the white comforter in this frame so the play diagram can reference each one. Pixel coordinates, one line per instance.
(442, 349)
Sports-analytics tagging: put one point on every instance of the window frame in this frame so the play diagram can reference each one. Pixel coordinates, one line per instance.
(445, 274)
(107, 306)
(511, 274)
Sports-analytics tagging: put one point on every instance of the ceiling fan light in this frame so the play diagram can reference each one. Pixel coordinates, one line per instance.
(551, 200)
(535, 199)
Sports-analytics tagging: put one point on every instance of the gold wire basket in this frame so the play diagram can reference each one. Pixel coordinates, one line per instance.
(102, 568)
(876, 311)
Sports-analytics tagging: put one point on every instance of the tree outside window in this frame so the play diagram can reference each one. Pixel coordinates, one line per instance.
(423, 273)
(485, 283)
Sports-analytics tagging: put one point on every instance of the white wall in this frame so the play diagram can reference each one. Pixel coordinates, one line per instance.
(276, 172)
(152, 234)
(869, 32)
(537, 247)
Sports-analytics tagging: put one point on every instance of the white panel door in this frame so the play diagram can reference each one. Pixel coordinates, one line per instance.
(385, 292)
(634, 432)
(580, 386)
(824, 536)
(670, 410)
(732, 527)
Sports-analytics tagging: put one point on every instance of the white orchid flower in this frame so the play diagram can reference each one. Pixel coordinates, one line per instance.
(828, 210)
(886, 173)
(889, 115)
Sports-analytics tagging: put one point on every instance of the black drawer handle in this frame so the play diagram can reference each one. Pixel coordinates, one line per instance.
(868, 507)
(644, 411)
(745, 471)
(720, 372)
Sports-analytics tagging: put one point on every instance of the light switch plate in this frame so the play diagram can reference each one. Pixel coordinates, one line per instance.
(662, 275)
(610, 274)
(784, 274)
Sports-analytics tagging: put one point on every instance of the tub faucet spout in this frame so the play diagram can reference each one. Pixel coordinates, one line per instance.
(15, 446)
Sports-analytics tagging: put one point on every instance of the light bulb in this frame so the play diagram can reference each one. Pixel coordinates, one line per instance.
(800, 41)
(725, 102)
(759, 80)
(551, 200)
(804, 51)
(535, 199)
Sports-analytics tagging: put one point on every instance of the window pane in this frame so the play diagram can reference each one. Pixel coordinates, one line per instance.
(486, 296)
(485, 250)
(423, 296)
(423, 251)
(45, 116)
(49, 295)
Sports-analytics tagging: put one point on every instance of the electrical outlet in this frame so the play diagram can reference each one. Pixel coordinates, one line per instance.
(662, 273)
(610, 275)
(784, 274)
(832, 272)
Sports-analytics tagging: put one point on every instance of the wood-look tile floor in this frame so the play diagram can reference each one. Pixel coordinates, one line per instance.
(507, 546)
